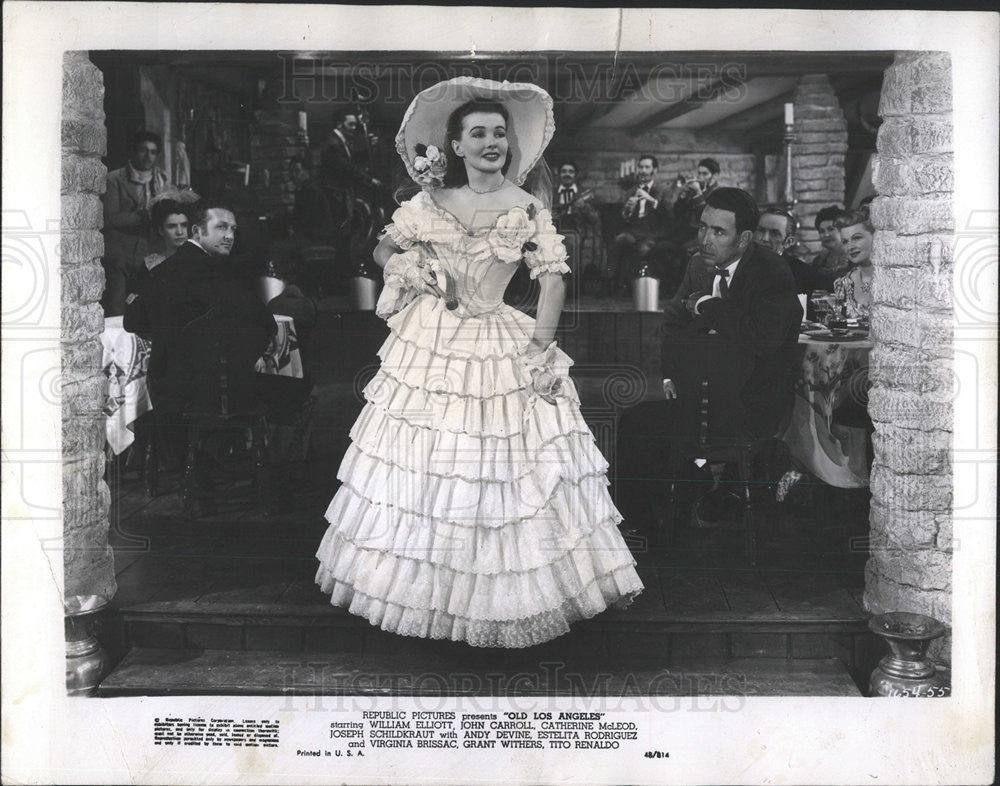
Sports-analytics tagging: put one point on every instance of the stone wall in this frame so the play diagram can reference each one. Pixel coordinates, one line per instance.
(599, 153)
(273, 140)
(911, 365)
(817, 153)
(88, 560)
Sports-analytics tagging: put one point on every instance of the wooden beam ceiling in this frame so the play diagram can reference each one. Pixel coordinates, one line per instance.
(703, 95)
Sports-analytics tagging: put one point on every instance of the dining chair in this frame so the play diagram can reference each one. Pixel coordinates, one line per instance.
(743, 453)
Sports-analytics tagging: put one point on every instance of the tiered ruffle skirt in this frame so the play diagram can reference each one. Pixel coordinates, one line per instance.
(469, 510)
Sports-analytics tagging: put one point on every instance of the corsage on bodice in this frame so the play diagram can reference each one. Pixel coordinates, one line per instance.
(480, 261)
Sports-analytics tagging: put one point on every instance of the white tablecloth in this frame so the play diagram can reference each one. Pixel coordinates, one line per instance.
(282, 356)
(125, 362)
(832, 373)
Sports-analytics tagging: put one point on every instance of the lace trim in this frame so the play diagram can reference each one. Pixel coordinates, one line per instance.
(514, 634)
(478, 334)
(385, 385)
(425, 587)
(463, 417)
(378, 422)
(581, 451)
(549, 267)
(419, 367)
(517, 548)
(492, 516)
(398, 238)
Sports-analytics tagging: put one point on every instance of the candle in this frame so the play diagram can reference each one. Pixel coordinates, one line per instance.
(789, 114)
(302, 121)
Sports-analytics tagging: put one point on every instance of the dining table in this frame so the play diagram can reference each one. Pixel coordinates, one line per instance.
(126, 364)
(833, 372)
(283, 356)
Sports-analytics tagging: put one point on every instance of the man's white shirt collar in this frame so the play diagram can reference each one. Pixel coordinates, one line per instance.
(731, 267)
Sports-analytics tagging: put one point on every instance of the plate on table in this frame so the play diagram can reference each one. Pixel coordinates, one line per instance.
(837, 334)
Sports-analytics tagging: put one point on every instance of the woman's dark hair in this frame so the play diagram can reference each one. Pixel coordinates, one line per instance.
(739, 203)
(831, 213)
(456, 175)
(859, 216)
(164, 208)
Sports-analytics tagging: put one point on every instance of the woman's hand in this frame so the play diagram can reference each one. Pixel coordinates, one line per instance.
(422, 279)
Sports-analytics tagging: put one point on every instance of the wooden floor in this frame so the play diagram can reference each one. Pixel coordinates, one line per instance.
(238, 556)
(320, 673)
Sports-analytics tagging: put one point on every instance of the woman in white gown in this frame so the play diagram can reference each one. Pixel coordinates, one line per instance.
(474, 503)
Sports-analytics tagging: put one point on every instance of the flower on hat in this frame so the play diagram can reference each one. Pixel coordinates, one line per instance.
(510, 233)
(430, 165)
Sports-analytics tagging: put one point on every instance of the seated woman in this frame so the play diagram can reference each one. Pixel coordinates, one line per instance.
(169, 222)
(854, 288)
(169, 231)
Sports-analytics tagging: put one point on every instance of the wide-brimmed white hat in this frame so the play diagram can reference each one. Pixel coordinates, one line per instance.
(529, 132)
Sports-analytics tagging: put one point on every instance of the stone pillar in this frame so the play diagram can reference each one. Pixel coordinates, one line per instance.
(911, 365)
(273, 140)
(88, 560)
(817, 153)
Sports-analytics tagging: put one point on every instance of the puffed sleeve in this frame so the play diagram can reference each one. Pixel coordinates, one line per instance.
(410, 223)
(399, 290)
(549, 253)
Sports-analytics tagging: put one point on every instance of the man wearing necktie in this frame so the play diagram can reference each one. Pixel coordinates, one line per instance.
(740, 335)
(579, 223)
(646, 216)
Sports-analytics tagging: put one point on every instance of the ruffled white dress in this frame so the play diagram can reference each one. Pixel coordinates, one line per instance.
(470, 509)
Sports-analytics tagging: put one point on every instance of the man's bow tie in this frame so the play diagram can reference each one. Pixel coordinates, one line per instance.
(721, 271)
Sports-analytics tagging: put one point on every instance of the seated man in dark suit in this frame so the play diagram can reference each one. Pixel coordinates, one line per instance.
(778, 230)
(197, 310)
(194, 287)
(696, 282)
(740, 335)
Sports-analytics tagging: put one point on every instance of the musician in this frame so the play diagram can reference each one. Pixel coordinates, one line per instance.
(645, 213)
(578, 222)
(341, 175)
(689, 201)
